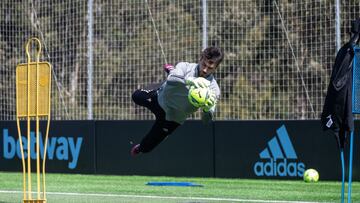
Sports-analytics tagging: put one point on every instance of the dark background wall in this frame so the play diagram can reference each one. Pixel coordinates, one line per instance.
(231, 149)
(188, 152)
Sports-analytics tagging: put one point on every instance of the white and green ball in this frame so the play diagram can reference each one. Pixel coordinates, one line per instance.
(311, 175)
(198, 96)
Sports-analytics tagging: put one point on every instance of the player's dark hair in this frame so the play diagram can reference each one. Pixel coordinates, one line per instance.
(213, 54)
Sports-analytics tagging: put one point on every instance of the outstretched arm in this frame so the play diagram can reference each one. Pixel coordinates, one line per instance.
(177, 75)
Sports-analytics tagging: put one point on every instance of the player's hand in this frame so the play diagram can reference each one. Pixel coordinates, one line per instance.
(198, 82)
(210, 102)
(168, 67)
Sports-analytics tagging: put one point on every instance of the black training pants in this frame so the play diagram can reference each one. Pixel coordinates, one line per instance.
(161, 128)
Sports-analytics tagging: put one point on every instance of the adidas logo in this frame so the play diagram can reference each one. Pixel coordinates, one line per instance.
(279, 157)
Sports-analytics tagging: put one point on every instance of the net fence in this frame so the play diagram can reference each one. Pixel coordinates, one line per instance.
(278, 54)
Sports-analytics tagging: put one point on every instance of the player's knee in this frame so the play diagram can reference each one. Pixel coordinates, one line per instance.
(137, 96)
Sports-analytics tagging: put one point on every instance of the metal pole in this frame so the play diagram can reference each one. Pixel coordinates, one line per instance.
(350, 165)
(337, 25)
(90, 20)
(204, 25)
(342, 175)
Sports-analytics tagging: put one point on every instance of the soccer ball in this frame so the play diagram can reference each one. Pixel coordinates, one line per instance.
(198, 96)
(311, 175)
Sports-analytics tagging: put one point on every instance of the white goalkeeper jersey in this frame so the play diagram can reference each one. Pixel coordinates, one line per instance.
(173, 94)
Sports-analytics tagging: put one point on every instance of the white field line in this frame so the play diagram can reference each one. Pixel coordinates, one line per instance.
(158, 197)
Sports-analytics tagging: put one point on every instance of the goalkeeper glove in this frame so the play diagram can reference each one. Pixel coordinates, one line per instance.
(198, 82)
(210, 102)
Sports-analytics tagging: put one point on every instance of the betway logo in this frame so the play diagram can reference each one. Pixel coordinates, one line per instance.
(58, 148)
(279, 158)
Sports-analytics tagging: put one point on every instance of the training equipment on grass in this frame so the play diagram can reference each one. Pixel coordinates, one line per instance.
(355, 110)
(355, 105)
(343, 100)
(311, 175)
(198, 96)
(33, 89)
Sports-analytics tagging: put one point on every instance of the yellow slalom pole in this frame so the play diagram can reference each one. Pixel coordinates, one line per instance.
(46, 135)
(20, 140)
(45, 148)
(22, 157)
(37, 123)
(28, 119)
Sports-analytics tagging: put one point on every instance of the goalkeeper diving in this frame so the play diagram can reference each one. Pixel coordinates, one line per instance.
(188, 87)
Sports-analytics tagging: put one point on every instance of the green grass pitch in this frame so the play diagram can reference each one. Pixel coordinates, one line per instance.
(99, 188)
